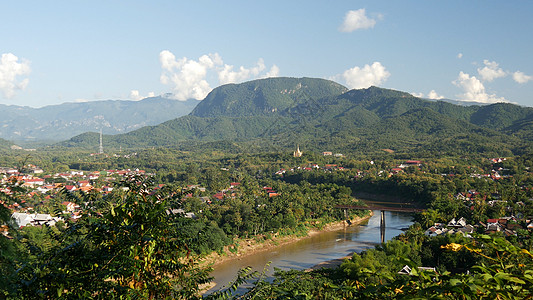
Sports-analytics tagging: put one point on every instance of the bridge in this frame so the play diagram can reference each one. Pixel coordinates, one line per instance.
(383, 209)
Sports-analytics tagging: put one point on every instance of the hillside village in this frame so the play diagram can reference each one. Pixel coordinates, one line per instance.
(42, 188)
(504, 225)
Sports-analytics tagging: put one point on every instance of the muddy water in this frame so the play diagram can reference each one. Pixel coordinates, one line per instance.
(321, 247)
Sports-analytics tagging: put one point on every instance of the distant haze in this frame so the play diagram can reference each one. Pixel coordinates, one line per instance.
(61, 122)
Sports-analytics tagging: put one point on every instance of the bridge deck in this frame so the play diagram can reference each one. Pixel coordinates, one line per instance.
(386, 208)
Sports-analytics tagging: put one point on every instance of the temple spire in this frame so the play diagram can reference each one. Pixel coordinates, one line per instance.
(298, 153)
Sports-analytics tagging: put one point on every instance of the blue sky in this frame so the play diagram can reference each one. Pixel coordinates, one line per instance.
(65, 51)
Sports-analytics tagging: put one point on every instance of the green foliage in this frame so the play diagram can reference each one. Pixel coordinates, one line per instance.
(501, 271)
(501, 115)
(133, 248)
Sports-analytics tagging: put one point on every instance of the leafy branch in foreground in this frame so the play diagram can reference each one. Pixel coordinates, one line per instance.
(503, 271)
(133, 248)
(244, 276)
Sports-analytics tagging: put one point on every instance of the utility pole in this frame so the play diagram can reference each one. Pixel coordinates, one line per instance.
(101, 150)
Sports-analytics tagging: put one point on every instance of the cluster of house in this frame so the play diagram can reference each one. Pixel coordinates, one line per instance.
(329, 153)
(470, 197)
(230, 192)
(496, 173)
(133, 154)
(25, 218)
(410, 163)
(74, 180)
(44, 185)
(30, 169)
(270, 192)
(310, 167)
(453, 226)
(505, 225)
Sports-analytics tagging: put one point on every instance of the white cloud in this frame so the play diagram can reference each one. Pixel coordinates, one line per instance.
(358, 78)
(460, 55)
(474, 90)
(10, 69)
(520, 77)
(356, 19)
(274, 72)
(135, 95)
(491, 71)
(188, 77)
(227, 75)
(433, 95)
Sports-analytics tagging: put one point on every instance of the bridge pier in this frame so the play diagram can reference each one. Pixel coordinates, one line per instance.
(382, 226)
(382, 210)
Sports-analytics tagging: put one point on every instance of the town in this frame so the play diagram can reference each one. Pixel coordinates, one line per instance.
(43, 191)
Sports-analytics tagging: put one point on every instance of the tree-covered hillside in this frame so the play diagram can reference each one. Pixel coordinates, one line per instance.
(316, 113)
(264, 96)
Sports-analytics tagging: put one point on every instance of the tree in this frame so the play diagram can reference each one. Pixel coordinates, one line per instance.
(134, 248)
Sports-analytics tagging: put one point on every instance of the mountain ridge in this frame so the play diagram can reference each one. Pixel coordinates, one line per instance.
(62, 121)
(353, 120)
(263, 96)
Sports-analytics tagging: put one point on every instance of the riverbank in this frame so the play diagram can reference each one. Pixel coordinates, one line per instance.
(330, 264)
(249, 247)
(252, 246)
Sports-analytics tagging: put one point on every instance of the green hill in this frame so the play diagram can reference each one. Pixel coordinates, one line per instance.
(317, 114)
(264, 96)
(501, 115)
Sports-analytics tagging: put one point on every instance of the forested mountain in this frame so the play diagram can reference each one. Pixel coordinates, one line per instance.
(63, 121)
(264, 96)
(322, 115)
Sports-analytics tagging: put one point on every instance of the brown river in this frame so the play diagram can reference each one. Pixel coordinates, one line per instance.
(308, 252)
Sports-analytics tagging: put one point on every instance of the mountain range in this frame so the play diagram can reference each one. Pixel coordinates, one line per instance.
(60, 122)
(323, 115)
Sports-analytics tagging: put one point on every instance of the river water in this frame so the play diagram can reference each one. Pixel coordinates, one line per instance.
(318, 248)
